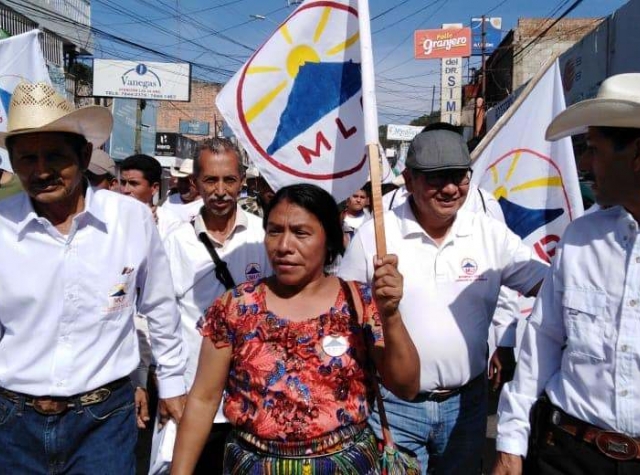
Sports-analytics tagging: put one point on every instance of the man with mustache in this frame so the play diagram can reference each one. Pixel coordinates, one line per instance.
(236, 237)
(77, 264)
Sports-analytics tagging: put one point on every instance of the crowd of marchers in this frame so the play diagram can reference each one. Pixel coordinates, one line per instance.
(264, 322)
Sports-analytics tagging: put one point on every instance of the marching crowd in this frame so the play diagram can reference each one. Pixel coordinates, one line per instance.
(269, 324)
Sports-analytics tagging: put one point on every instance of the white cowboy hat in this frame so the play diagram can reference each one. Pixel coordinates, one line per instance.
(616, 105)
(39, 108)
(186, 169)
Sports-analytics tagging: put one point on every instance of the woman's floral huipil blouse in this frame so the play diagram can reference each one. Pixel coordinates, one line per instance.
(289, 380)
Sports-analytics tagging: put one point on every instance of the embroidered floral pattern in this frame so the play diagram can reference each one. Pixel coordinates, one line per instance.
(282, 383)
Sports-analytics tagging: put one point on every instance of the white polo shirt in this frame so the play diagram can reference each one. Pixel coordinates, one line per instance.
(505, 318)
(450, 291)
(193, 271)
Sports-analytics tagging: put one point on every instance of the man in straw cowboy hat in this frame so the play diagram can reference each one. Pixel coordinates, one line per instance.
(186, 202)
(77, 264)
(579, 365)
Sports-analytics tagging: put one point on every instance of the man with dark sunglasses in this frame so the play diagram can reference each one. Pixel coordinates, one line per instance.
(453, 262)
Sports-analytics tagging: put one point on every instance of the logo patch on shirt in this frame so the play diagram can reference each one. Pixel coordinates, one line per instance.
(118, 298)
(253, 272)
(469, 266)
(469, 270)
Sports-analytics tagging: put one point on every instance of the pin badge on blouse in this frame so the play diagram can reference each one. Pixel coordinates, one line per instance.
(335, 345)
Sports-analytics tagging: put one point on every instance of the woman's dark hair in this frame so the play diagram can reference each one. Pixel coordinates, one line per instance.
(320, 204)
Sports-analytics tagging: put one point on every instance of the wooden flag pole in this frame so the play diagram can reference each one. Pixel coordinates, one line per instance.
(371, 123)
(486, 140)
(376, 195)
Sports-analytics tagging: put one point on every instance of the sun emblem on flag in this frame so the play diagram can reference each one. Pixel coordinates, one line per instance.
(306, 81)
(516, 178)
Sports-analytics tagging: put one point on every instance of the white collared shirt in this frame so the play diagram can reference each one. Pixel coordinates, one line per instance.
(167, 221)
(582, 343)
(450, 291)
(185, 211)
(196, 286)
(68, 301)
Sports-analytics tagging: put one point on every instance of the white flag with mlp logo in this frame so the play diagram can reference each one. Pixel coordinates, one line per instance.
(535, 181)
(296, 105)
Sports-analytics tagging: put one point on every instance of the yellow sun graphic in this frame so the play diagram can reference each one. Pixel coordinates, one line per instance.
(298, 55)
(501, 189)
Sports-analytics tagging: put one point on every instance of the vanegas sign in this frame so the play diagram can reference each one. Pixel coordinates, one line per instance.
(445, 43)
(141, 80)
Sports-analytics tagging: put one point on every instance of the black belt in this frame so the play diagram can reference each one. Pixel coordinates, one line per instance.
(446, 393)
(54, 405)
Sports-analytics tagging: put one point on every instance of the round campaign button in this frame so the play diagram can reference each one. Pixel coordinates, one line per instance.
(335, 345)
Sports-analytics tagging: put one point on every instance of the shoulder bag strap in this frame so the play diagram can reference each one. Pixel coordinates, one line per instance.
(221, 269)
(355, 301)
(484, 205)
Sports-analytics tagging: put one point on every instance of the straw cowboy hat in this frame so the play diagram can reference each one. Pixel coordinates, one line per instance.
(186, 169)
(616, 105)
(39, 108)
(101, 163)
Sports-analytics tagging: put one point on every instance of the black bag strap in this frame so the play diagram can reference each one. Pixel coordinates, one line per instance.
(221, 270)
(484, 205)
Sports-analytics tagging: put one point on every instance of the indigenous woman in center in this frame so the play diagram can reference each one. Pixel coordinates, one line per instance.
(294, 354)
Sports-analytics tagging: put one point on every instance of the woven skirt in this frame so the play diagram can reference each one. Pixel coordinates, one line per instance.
(352, 450)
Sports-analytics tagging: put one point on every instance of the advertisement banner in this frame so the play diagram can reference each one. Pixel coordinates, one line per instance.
(136, 80)
(403, 133)
(194, 127)
(451, 87)
(444, 43)
(492, 35)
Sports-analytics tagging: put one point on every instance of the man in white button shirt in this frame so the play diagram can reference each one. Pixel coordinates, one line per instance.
(238, 239)
(453, 263)
(77, 263)
(582, 344)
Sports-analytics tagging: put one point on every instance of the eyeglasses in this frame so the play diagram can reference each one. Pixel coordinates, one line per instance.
(443, 178)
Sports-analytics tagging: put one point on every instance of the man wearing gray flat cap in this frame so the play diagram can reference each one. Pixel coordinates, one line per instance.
(573, 406)
(453, 262)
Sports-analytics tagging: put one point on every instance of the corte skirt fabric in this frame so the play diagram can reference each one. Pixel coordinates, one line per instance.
(353, 450)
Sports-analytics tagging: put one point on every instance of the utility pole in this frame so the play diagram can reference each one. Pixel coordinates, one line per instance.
(484, 65)
(433, 98)
(140, 105)
(478, 116)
